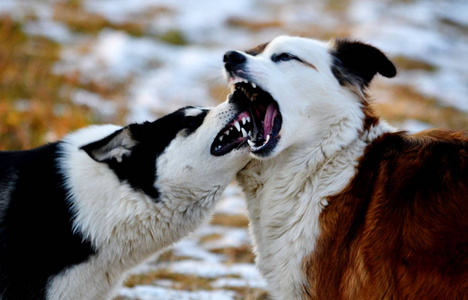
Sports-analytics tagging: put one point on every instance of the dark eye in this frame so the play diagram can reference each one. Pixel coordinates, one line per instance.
(283, 57)
(192, 122)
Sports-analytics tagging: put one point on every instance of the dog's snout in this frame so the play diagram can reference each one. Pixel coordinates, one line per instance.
(232, 59)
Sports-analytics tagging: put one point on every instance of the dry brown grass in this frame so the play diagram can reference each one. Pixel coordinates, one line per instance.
(230, 220)
(79, 20)
(191, 283)
(34, 103)
(406, 63)
(405, 103)
(254, 25)
(181, 281)
(242, 254)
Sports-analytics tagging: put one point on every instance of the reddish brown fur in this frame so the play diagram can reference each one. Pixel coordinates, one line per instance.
(400, 229)
(258, 49)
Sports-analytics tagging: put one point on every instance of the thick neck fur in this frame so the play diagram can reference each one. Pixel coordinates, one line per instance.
(124, 226)
(286, 194)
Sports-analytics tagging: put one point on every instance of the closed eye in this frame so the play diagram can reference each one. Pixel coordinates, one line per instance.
(284, 57)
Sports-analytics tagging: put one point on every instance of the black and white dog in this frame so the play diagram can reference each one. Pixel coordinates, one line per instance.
(75, 215)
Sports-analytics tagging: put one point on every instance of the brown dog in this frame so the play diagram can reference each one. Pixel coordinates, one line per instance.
(341, 205)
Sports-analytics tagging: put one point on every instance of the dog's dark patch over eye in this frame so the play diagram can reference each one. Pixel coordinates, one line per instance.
(191, 123)
(284, 57)
(138, 144)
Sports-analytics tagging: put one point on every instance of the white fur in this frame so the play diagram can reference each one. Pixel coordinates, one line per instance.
(127, 227)
(321, 139)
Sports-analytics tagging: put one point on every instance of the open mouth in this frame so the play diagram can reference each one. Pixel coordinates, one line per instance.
(265, 113)
(233, 136)
(258, 124)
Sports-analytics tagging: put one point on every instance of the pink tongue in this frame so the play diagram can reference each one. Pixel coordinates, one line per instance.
(269, 118)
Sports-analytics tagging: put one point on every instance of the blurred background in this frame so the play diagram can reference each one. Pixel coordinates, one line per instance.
(67, 64)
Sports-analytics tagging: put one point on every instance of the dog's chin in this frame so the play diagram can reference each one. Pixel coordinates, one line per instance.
(266, 119)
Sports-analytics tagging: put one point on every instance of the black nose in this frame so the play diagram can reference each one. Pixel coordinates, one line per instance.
(232, 59)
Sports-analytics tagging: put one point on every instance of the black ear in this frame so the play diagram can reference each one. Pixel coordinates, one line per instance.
(354, 58)
(111, 148)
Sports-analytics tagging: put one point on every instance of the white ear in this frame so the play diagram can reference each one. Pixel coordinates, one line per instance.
(113, 147)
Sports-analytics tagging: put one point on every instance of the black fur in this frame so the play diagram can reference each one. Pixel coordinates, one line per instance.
(357, 63)
(151, 139)
(36, 238)
(37, 241)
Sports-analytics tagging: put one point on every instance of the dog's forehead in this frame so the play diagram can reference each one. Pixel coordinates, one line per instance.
(293, 45)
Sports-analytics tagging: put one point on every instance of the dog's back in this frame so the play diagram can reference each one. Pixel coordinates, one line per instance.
(36, 239)
(400, 228)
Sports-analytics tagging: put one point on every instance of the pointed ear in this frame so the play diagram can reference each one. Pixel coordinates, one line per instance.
(359, 60)
(111, 148)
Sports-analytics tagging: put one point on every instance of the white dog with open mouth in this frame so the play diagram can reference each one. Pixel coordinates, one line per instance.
(75, 215)
(340, 205)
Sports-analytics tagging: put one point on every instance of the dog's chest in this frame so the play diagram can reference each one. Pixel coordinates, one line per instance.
(284, 203)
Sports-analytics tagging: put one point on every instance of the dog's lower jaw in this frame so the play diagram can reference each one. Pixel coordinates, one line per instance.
(284, 205)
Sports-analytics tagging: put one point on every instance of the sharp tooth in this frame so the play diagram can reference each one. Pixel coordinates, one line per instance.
(244, 133)
(217, 148)
(248, 119)
(250, 133)
(237, 125)
(243, 120)
(253, 85)
(251, 144)
(267, 139)
(221, 138)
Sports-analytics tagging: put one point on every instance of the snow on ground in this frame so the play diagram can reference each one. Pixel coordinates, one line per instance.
(416, 30)
(147, 292)
(163, 76)
(199, 261)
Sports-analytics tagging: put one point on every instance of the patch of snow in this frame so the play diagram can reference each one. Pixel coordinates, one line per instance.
(198, 20)
(413, 30)
(50, 29)
(230, 237)
(443, 85)
(454, 10)
(146, 292)
(114, 56)
(106, 107)
(239, 283)
(232, 202)
(211, 269)
(190, 247)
